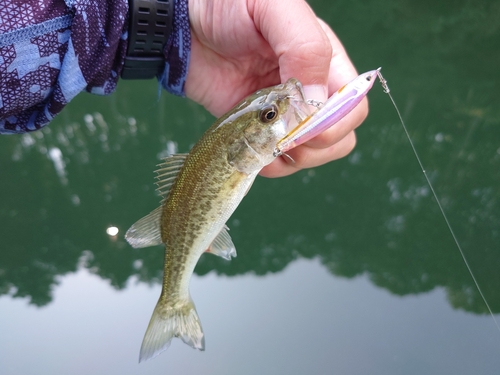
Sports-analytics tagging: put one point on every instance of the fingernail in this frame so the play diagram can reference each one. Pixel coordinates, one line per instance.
(316, 92)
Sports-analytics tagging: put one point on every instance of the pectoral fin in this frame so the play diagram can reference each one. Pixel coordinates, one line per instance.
(222, 245)
(146, 231)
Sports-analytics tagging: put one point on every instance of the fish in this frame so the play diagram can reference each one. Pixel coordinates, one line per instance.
(200, 190)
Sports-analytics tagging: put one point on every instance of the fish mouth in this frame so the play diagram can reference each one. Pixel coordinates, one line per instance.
(299, 110)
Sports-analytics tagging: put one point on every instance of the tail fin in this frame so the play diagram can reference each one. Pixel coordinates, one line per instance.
(167, 322)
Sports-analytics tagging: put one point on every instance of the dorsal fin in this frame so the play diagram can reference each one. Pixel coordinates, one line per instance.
(222, 245)
(146, 231)
(167, 173)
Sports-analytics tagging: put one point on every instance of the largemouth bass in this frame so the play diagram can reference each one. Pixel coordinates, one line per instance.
(200, 191)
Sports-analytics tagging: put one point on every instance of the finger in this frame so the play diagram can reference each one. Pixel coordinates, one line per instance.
(307, 157)
(302, 48)
(341, 71)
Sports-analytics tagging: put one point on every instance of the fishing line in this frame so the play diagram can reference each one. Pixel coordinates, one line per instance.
(387, 91)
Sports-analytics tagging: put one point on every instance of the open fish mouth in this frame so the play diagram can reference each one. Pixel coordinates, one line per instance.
(299, 109)
(343, 101)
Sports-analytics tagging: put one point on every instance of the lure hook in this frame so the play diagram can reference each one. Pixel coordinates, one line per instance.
(314, 103)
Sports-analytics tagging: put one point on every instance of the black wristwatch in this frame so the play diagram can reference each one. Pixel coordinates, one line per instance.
(149, 28)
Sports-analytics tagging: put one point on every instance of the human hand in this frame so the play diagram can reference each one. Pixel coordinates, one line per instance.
(240, 46)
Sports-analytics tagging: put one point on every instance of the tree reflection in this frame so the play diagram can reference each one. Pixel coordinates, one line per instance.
(371, 213)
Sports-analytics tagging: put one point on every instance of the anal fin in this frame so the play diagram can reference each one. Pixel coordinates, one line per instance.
(222, 245)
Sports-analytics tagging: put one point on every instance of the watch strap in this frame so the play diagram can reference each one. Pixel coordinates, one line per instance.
(149, 29)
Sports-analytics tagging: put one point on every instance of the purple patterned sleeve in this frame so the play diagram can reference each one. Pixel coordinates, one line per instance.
(51, 50)
(177, 51)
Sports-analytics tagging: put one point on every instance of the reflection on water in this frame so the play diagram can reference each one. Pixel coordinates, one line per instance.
(372, 213)
(261, 325)
(74, 189)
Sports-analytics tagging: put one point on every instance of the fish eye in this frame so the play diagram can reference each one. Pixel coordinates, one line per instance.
(268, 114)
(368, 78)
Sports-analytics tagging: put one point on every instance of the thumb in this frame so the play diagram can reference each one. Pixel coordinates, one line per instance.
(294, 33)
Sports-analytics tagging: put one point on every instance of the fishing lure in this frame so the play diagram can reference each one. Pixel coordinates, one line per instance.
(343, 101)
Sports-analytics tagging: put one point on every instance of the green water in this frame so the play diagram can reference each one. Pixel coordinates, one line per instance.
(345, 269)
